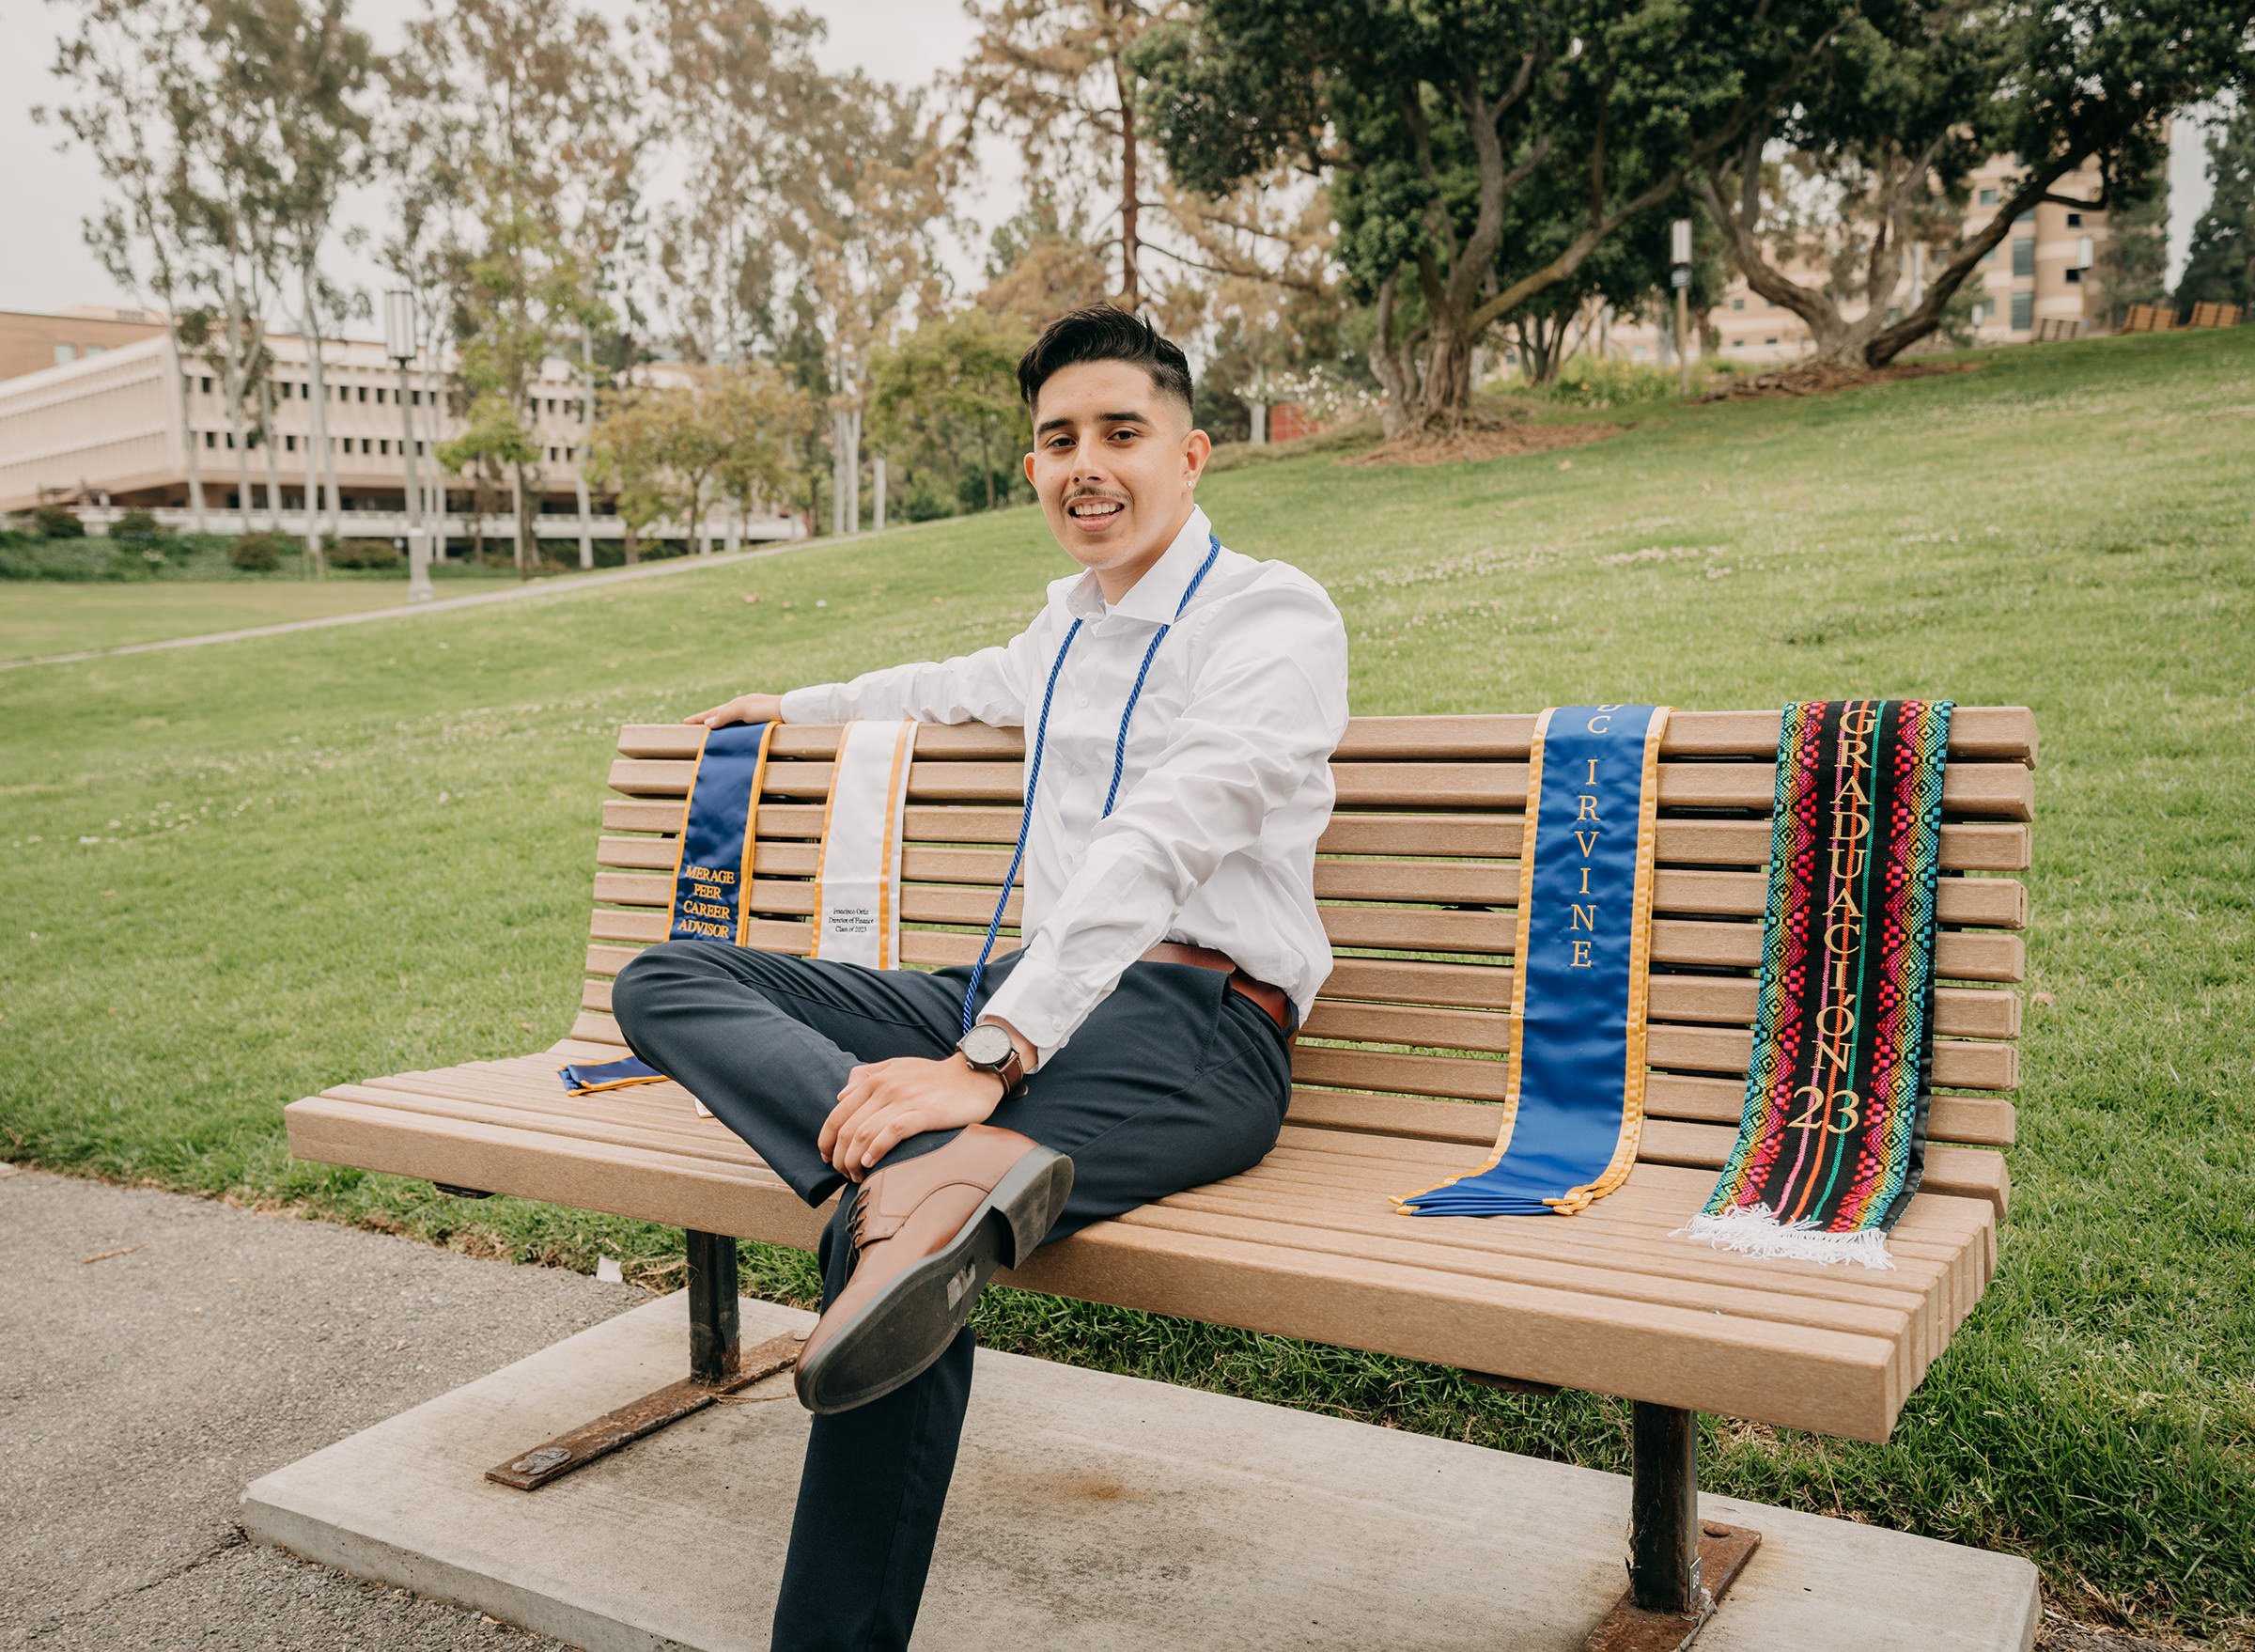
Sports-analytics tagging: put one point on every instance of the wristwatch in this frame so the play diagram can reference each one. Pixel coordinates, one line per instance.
(991, 1049)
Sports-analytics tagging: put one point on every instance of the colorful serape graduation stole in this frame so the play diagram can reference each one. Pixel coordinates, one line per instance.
(712, 869)
(1833, 1136)
(1574, 1100)
(857, 880)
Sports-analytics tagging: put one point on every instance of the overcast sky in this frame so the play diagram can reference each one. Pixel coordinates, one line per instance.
(44, 195)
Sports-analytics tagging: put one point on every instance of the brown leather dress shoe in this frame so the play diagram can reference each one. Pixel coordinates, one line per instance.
(928, 1234)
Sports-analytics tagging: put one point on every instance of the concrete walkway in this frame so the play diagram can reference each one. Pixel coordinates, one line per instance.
(166, 1352)
(140, 1393)
(554, 586)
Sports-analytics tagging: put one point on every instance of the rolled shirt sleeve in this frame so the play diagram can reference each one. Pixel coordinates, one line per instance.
(1265, 709)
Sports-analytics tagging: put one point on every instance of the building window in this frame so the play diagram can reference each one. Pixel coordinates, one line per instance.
(206, 384)
(289, 443)
(210, 439)
(2074, 277)
(65, 353)
(2024, 311)
(363, 444)
(93, 349)
(364, 393)
(2027, 217)
(2074, 220)
(1771, 340)
(2024, 254)
(1737, 304)
(1988, 197)
(383, 446)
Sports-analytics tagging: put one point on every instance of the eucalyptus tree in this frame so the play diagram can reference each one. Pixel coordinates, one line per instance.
(535, 82)
(130, 65)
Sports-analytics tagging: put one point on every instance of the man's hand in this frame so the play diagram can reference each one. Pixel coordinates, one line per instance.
(743, 708)
(885, 1102)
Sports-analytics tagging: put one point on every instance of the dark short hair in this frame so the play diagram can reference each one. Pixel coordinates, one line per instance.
(1104, 333)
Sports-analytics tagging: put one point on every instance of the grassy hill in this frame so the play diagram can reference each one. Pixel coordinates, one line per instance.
(237, 874)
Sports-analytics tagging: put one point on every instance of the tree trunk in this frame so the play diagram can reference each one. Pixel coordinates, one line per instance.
(634, 546)
(188, 435)
(524, 528)
(986, 464)
(579, 457)
(321, 440)
(273, 457)
(1130, 290)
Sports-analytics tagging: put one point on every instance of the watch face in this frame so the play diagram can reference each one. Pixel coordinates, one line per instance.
(986, 1045)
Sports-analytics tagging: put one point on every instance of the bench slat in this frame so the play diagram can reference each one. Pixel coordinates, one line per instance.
(1999, 790)
(1982, 902)
(1968, 846)
(1975, 731)
(1971, 955)
(1794, 1374)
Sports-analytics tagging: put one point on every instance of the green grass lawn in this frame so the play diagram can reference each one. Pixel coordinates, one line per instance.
(39, 617)
(236, 874)
(43, 617)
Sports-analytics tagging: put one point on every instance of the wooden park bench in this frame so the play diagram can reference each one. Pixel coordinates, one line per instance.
(1396, 1077)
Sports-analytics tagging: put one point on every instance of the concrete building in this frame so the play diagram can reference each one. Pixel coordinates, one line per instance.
(103, 429)
(2038, 279)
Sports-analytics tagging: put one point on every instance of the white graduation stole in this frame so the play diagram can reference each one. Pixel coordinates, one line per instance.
(856, 880)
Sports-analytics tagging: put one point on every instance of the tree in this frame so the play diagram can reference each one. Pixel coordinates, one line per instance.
(2219, 267)
(135, 115)
(1039, 265)
(1063, 77)
(859, 192)
(2132, 266)
(538, 84)
(755, 411)
(627, 457)
(730, 70)
(945, 398)
(1429, 121)
(1918, 109)
(302, 69)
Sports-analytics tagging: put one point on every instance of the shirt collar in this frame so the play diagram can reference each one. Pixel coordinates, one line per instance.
(1158, 593)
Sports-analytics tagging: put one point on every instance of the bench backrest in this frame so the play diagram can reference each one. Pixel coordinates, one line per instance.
(1418, 882)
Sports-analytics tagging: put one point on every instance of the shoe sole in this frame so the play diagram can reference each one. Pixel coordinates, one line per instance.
(897, 1334)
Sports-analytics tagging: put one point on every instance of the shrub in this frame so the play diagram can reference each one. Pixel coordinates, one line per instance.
(136, 523)
(57, 521)
(361, 554)
(256, 553)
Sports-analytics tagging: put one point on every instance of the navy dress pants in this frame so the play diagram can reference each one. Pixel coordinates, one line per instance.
(1171, 1081)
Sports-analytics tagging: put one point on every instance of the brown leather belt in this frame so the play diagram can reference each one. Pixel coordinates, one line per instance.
(1272, 1000)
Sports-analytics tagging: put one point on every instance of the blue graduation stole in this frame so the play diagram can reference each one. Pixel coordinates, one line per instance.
(712, 869)
(1574, 1103)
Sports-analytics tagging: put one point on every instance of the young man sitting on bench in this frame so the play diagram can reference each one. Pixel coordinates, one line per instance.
(1183, 703)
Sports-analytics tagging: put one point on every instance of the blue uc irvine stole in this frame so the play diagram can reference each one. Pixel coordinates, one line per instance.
(712, 869)
(1574, 1100)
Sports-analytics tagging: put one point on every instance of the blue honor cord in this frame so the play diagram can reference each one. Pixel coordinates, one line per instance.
(1119, 759)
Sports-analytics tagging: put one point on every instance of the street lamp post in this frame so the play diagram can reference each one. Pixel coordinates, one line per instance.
(1679, 236)
(399, 344)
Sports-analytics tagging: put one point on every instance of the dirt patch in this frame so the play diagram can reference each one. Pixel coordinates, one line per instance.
(1485, 441)
(1820, 377)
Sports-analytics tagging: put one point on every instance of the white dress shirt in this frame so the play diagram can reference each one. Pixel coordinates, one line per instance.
(1227, 783)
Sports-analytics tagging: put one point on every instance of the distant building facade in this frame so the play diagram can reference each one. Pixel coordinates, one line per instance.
(106, 430)
(2039, 279)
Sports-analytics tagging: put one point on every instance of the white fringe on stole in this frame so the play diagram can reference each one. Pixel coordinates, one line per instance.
(1757, 1232)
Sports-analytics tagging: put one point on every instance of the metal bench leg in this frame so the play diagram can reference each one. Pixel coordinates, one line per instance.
(718, 1365)
(1678, 1566)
